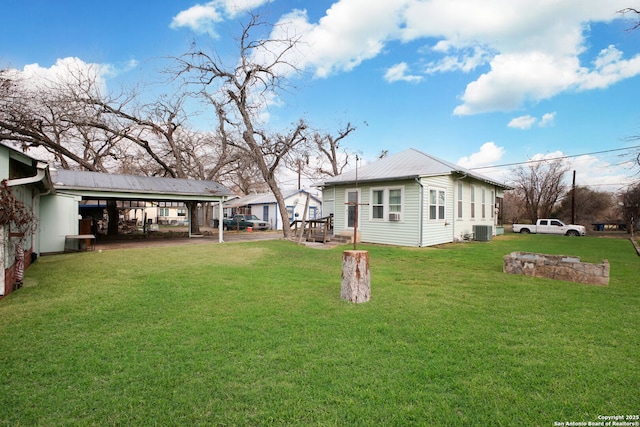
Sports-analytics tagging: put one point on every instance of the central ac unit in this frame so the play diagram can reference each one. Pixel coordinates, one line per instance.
(482, 233)
(394, 216)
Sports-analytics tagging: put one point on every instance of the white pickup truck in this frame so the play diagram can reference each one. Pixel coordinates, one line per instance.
(550, 226)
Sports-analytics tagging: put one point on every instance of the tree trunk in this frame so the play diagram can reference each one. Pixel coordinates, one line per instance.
(112, 212)
(193, 219)
(356, 279)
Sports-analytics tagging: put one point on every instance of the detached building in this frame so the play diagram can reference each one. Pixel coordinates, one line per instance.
(66, 202)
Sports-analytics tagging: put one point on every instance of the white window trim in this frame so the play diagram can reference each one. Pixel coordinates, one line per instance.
(437, 190)
(385, 203)
(472, 202)
(460, 200)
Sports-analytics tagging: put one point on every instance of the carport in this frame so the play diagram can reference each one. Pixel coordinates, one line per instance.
(60, 209)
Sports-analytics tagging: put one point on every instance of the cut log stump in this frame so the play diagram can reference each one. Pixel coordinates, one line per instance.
(356, 280)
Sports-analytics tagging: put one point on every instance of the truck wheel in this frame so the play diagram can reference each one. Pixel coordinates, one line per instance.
(572, 233)
(524, 231)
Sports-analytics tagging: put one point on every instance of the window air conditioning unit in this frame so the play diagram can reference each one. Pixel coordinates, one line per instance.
(394, 216)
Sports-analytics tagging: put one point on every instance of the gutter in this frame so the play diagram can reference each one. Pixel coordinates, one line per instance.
(39, 176)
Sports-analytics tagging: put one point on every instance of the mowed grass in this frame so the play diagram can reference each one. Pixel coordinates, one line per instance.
(255, 334)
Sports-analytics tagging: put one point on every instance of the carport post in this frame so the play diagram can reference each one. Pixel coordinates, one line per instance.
(220, 227)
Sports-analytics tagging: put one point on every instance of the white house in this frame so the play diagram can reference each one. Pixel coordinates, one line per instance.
(265, 207)
(413, 199)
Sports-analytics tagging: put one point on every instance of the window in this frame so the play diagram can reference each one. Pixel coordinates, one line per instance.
(386, 204)
(395, 200)
(460, 200)
(290, 212)
(163, 211)
(351, 197)
(484, 203)
(436, 204)
(473, 201)
(377, 204)
(182, 212)
(493, 202)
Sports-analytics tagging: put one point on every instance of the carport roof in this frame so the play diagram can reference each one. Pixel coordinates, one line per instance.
(104, 185)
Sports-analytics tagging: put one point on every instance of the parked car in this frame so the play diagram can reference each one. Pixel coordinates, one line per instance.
(242, 222)
(550, 226)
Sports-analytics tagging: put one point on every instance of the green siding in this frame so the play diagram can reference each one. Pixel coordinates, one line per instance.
(415, 217)
(438, 231)
(403, 233)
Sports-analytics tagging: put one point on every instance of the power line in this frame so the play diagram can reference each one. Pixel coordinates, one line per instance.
(555, 158)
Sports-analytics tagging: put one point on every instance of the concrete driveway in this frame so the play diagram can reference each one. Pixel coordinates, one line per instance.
(229, 236)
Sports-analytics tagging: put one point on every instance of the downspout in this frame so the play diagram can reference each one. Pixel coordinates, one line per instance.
(420, 212)
(41, 174)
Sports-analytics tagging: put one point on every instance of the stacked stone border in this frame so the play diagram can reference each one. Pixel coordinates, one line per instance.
(557, 267)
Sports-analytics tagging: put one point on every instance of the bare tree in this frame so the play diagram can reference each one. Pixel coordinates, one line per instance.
(48, 116)
(84, 128)
(635, 11)
(513, 207)
(240, 93)
(540, 185)
(589, 206)
(630, 206)
(331, 157)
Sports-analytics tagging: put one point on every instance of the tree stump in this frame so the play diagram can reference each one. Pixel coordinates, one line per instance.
(356, 280)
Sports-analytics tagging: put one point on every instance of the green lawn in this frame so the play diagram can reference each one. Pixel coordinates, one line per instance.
(256, 334)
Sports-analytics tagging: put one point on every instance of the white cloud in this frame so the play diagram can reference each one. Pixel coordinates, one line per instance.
(69, 70)
(465, 60)
(488, 154)
(547, 119)
(517, 78)
(609, 68)
(522, 122)
(351, 32)
(531, 50)
(202, 18)
(199, 18)
(527, 122)
(399, 73)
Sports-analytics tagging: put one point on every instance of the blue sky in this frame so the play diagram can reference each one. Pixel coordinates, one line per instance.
(477, 83)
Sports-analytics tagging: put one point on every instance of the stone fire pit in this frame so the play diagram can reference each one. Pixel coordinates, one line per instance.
(558, 267)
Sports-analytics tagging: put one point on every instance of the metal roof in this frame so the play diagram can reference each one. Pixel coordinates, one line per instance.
(408, 164)
(133, 186)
